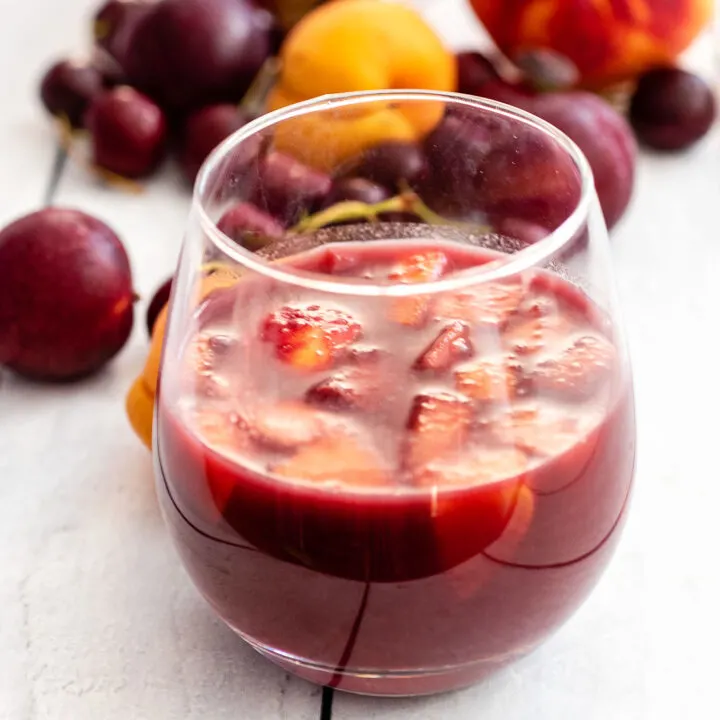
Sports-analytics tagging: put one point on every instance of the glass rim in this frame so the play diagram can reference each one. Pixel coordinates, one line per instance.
(511, 264)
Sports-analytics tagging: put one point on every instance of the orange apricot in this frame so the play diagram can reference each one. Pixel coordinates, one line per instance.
(359, 45)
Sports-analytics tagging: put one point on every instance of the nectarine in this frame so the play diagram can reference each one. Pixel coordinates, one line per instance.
(606, 40)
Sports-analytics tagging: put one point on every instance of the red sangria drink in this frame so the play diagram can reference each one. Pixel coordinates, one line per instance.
(394, 446)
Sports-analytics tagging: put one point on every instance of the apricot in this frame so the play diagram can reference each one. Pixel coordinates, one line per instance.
(606, 40)
(140, 400)
(357, 45)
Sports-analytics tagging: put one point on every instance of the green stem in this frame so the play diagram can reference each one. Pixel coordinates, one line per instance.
(406, 202)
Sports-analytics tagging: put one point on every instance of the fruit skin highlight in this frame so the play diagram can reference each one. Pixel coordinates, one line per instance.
(66, 295)
(358, 45)
(607, 40)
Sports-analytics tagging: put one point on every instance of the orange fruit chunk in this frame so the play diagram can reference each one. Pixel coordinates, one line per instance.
(439, 424)
(577, 371)
(490, 380)
(337, 458)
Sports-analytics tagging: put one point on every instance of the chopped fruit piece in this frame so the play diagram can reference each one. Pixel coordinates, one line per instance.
(212, 385)
(307, 337)
(358, 355)
(286, 425)
(535, 334)
(420, 268)
(335, 459)
(439, 424)
(308, 348)
(452, 344)
(579, 370)
(536, 431)
(490, 304)
(490, 380)
(351, 389)
(410, 311)
(222, 429)
(207, 349)
(482, 465)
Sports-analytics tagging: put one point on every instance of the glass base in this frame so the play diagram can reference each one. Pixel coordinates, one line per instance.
(386, 683)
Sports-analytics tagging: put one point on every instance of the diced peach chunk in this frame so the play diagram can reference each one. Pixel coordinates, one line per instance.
(492, 304)
(477, 466)
(310, 349)
(286, 425)
(577, 371)
(536, 430)
(439, 424)
(336, 458)
(535, 334)
(451, 345)
(308, 337)
(490, 380)
(221, 429)
(418, 268)
(355, 388)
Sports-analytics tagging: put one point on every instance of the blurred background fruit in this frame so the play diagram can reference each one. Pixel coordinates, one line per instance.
(672, 109)
(66, 295)
(128, 132)
(190, 53)
(605, 40)
(68, 87)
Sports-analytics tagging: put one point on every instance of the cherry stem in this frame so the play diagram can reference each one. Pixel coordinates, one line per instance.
(406, 202)
(255, 99)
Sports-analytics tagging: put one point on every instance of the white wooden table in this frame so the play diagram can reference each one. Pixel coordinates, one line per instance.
(99, 622)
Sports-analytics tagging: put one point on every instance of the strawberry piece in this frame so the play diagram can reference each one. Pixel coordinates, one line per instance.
(535, 334)
(309, 337)
(452, 344)
(286, 425)
(336, 459)
(492, 304)
(356, 388)
(536, 430)
(490, 380)
(419, 268)
(439, 424)
(579, 370)
(481, 465)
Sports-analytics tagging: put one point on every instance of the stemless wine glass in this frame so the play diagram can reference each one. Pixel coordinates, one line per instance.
(395, 433)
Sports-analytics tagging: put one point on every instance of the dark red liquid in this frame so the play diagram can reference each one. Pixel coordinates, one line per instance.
(366, 554)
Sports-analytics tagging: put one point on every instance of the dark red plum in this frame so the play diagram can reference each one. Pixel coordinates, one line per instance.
(247, 225)
(203, 131)
(115, 22)
(66, 295)
(390, 164)
(287, 188)
(672, 109)
(474, 71)
(128, 132)
(190, 53)
(68, 87)
(605, 138)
